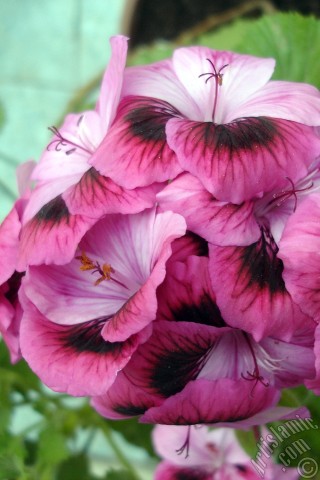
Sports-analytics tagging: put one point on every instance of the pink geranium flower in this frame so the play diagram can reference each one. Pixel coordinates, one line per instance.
(195, 368)
(214, 114)
(82, 321)
(200, 453)
(10, 276)
(70, 194)
(244, 244)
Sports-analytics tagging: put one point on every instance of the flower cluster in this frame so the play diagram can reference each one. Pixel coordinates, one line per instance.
(208, 455)
(163, 255)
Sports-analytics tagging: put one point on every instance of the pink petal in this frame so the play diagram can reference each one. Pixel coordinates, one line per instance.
(296, 358)
(52, 236)
(299, 249)
(249, 286)
(218, 222)
(168, 438)
(314, 384)
(137, 143)
(243, 76)
(297, 102)
(189, 244)
(258, 152)
(167, 471)
(186, 294)
(141, 307)
(9, 244)
(95, 195)
(212, 402)
(158, 80)
(10, 317)
(123, 400)
(173, 357)
(112, 81)
(70, 359)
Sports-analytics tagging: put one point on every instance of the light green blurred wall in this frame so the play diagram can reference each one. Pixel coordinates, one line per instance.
(49, 48)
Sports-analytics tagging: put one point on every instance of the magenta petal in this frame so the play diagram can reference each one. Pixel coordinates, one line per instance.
(95, 195)
(314, 384)
(9, 244)
(112, 81)
(221, 223)
(189, 244)
(220, 401)
(173, 356)
(186, 294)
(10, 317)
(299, 249)
(251, 293)
(124, 400)
(241, 159)
(136, 143)
(73, 359)
(52, 236)
(167, 471)
(160, 230)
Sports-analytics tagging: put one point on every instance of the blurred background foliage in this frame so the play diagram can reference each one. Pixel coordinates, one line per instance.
(44, 435)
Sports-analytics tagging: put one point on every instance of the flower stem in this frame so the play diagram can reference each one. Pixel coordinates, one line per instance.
(122, 459)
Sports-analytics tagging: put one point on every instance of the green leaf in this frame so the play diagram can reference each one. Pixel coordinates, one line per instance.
(75, 467)
(290, 38)
(149, 54)
(10, 466)
(138, 434)
(119, 475)
(52, 447)
(226, 38)
(247, 441)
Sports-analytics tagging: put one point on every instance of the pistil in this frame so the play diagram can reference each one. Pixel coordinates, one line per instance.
(61, 142)
(218, 77)
(186, 444)
(255, 375)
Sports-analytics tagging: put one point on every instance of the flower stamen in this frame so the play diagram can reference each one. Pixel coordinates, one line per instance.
(87, 264)
(62, 142)
(286, 194)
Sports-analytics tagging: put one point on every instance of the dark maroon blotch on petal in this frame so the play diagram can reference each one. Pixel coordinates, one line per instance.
(206, 312)
(149, 121)
(191, 474)
(13, 284)
(261, 265)
(54, 211)
(86, 337)
(129, 410)
(176, 368)
(241, 135)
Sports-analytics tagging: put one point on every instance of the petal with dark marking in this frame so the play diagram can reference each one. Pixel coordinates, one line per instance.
(95, 195)
(124, 400)
(136, 143)
(250, 290)
(213, 402)
(73, 358)
(239, 160)
(167, 471)
(299, 250)
(52, 235)
(186, 294)
(221, 223)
